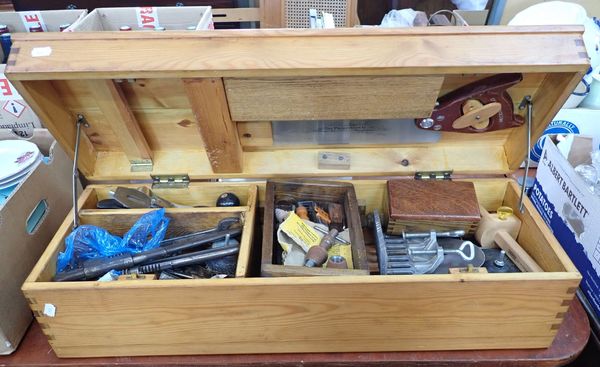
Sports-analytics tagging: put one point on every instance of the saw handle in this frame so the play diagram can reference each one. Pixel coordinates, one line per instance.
(490, 90)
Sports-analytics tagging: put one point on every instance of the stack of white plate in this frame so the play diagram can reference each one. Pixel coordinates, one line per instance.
(17, 159)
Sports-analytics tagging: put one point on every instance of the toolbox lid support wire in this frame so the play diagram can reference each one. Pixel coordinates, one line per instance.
(80, 121)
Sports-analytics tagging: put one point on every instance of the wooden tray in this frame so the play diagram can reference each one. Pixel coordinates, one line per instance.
(201, 107)
(335, 192)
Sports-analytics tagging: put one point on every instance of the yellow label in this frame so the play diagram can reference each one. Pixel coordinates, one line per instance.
(294, 227)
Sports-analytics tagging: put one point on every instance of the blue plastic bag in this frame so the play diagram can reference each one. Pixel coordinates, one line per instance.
(87, 241)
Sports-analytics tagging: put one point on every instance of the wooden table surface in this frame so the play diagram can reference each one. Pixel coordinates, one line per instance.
(570, 341)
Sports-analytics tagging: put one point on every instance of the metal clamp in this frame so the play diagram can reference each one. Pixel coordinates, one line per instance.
(418, 253)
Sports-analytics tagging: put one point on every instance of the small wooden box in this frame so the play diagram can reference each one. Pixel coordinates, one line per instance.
(202, 107)
(425, 205)
(335, 192)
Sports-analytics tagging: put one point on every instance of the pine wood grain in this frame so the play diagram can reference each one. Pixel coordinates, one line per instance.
(570, 340)
(244, 256)
(209, 103)
(46, 103)
(273, 270)
(280, 315)
(270, 53)
(320, 98)
(196, 194)
(470, 159)
(272, 315)
(114, 107)
(247, 313)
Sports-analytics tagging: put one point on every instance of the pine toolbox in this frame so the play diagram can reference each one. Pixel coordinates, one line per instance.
(200, 108)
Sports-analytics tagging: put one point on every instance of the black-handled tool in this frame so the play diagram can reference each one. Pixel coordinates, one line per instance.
(94, 268)
(193, 258)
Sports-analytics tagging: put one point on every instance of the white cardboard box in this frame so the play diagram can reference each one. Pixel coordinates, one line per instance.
(147, 18)
(50, 20)
(579, 121)
(571, 211)
(47, 188)
(15, 114)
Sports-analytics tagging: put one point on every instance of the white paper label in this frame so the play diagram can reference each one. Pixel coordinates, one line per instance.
(147, 17)
(7, 91)
(41, 51)
(49, 310)
(32, 19)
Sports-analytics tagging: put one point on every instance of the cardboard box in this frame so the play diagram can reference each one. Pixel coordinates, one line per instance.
(571, 211)
(147, 18)
(15, 114)
(28, 220)
(580, 121)
(50, 20)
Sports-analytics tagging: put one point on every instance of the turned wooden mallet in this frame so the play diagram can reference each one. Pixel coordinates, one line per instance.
(500, 229)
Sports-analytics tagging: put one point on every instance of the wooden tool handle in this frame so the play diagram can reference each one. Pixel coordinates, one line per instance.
(516, 253)
(477, 115)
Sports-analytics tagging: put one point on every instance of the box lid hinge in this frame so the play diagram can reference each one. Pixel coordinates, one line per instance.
(141, 165)
(433, 175)
(170, 181)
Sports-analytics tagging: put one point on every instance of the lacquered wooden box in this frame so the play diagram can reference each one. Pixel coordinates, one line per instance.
(200, 104)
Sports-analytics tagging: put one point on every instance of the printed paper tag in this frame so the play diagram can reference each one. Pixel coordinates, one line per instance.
(300, 232)
(147, 17)
(32, 19)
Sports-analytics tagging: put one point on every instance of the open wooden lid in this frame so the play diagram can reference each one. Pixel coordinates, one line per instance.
(200, 103)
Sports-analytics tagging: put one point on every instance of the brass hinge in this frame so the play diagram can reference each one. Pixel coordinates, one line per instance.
(433, 175)
(170, 181)
(141, 165)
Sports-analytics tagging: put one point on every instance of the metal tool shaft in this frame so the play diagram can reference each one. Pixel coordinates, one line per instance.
(409, 235)
(94, 268)
(194, 258)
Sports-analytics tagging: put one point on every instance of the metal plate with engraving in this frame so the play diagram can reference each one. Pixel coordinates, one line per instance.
(339, 132)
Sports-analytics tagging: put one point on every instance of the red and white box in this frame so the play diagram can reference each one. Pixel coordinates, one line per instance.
(49, 20)
(147, 18)
(15, 113)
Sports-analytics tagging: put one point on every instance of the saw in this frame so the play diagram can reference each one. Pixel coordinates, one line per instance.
(481, 106)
